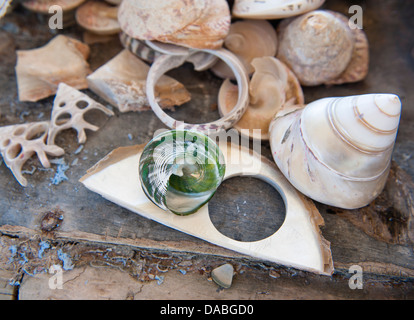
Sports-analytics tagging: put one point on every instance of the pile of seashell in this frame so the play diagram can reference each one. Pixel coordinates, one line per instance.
(335, 150)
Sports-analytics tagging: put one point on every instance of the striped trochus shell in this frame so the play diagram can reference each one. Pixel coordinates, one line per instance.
(192, 23)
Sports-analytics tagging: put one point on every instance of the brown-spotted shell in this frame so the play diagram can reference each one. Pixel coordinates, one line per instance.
(201, 24)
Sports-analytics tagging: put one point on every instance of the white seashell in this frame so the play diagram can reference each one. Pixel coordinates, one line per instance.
(338, 150)
(273, 9)
(122, 82)
(98, 17)
(69, 107)
(272, 87)
(20, 142)
(39, 71)
(320, 48)
(247, 39)
(223, 275)
(201, 24)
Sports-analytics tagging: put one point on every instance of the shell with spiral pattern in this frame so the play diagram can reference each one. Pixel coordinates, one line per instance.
(337, 150)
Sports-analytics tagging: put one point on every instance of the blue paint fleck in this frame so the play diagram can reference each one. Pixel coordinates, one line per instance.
(43, 246)
(65, 258)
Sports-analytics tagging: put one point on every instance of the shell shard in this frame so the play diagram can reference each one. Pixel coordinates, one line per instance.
(223, 275)
(195, 24)
(299, 233)
(20, 142)
(320, 48)
(39, 71)
(122, 82)
(338, 150)
(98, 17)
(272, 87)
(181, 170)
(69, 107)
(247, 39)
(273, 9)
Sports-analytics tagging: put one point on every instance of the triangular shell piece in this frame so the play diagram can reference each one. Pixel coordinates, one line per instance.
(72, 103)
(39, 71)
(19, 142)
(298, 243)
(223, 275)
(122, 82)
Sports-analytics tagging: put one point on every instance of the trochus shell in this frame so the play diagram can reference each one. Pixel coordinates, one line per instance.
(180, 170)
(338, 150)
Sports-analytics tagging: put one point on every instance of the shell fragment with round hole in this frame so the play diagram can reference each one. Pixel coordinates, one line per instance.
(300, 232)
(338, 150)
(321, 48)
(20, 142)
(98, 17)
(272, 87)
(68, 111)
(122, 82)
(247, 39)
(181, 170)
(39, 71)
(273, 9)
(201, 24)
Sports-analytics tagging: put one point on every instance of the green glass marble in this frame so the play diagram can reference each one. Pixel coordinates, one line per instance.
(180, 170)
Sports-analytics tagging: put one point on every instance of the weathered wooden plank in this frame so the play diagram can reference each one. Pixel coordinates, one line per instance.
(379, 237)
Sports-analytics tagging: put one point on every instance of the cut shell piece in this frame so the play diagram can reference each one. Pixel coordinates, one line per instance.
(39, 71)
(321, 48)
(122, 80)
(223, 275)
(337, 150)
(69, 107)
(20, 142)
(299, 233)
(201, 24)
(247, 39)
(273, 9)
(98, 17)
(273, 86)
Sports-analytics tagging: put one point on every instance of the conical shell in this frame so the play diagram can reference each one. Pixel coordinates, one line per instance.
(273, 9)
(201, 24)
(338, 150)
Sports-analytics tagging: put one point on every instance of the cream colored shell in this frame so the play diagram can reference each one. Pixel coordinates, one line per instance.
(39, 71)
(122, 82)
(68, 111)
(20, 142)
(273, 86)
(201, 24)
(247, 39)
(337, 150)
(98, 17)
(273, 9)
